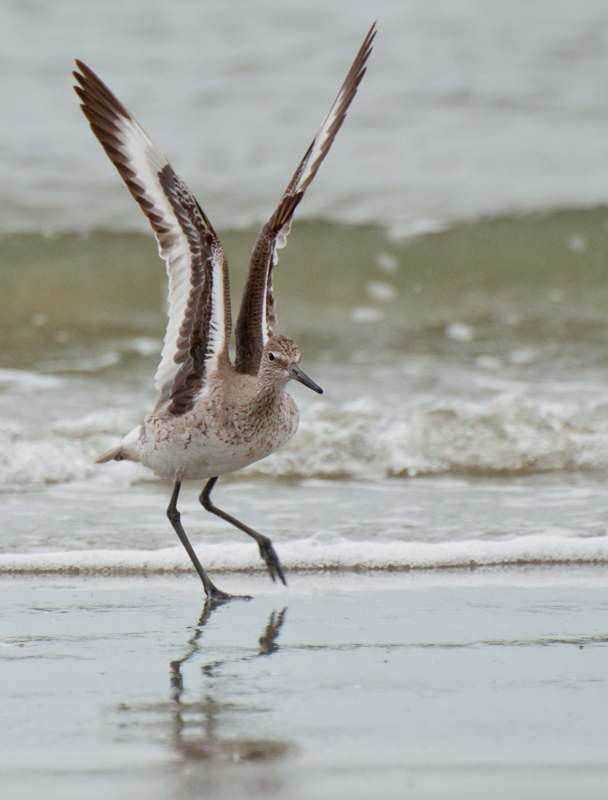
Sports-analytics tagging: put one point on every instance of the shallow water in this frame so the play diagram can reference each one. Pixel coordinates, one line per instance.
(456, 685)
(465, 399)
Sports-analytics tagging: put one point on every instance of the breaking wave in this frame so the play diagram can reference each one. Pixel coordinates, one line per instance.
(508, 434)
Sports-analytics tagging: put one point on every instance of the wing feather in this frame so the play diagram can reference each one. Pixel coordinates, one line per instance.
(257, 313)
(199, 325)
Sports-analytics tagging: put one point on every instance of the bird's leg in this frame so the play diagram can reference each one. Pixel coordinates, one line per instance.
(266, 549)
(212, 592)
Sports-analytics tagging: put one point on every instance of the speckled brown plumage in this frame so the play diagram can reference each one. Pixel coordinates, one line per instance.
(211, 417)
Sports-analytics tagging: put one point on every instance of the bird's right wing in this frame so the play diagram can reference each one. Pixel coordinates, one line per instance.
(198, 330)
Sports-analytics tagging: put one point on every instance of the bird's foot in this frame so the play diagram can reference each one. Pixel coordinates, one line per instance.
(215, 596)
(271, 559)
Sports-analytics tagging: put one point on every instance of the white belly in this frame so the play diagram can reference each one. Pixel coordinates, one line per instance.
(180, 447)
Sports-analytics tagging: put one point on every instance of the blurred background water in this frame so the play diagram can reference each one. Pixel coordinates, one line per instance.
(446, 276)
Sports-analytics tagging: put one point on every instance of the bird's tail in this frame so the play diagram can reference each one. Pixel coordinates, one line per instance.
(125, 450)
(115, 454)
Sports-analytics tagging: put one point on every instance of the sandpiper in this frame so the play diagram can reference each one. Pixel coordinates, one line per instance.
(212, 417)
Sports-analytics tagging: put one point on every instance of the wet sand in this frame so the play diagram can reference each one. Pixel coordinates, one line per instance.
(447, 685)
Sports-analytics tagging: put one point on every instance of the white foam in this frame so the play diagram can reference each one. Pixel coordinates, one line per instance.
(313, 554)
(59, 452)
(507, 434)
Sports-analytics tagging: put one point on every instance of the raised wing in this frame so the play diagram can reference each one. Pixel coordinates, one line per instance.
(199, 324)
(257, 315)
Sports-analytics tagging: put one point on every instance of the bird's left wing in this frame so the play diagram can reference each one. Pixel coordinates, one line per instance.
(198, 330)
(256, 315)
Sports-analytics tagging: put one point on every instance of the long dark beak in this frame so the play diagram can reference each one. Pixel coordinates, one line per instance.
(299, 375)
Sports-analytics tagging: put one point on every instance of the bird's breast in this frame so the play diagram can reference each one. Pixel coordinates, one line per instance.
(208, 442)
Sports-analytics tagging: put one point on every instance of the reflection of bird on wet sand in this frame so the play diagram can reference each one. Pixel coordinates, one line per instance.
(268, 642)
(194, 725)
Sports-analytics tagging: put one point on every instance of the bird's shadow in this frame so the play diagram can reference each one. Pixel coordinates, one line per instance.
(194, 726)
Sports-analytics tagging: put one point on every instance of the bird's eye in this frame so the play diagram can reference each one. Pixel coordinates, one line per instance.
(271, 356)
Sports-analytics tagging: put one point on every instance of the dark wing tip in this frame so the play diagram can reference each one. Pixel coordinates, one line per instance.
(360, 64)
(359, 67)
(85, 73)
(371, 35)
(94, 93)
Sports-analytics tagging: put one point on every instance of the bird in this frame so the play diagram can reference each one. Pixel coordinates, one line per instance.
(212, 416)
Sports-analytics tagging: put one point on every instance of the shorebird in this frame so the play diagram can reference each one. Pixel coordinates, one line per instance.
(212, 417)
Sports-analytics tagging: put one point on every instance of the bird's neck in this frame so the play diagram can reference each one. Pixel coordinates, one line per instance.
(268, 393)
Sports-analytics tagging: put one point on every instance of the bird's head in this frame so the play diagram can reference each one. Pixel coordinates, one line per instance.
(280, 363)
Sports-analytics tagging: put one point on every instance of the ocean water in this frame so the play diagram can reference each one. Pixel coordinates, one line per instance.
(446, 280)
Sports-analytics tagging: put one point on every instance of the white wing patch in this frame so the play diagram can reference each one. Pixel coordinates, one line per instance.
(321, 143)
(270, 316)
(217, 326)
(199, 317)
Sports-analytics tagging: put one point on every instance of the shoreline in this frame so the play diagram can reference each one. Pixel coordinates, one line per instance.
(302, 582)
(312, 557)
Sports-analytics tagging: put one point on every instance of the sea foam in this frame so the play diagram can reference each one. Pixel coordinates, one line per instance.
(508, 434)
(314, 555)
